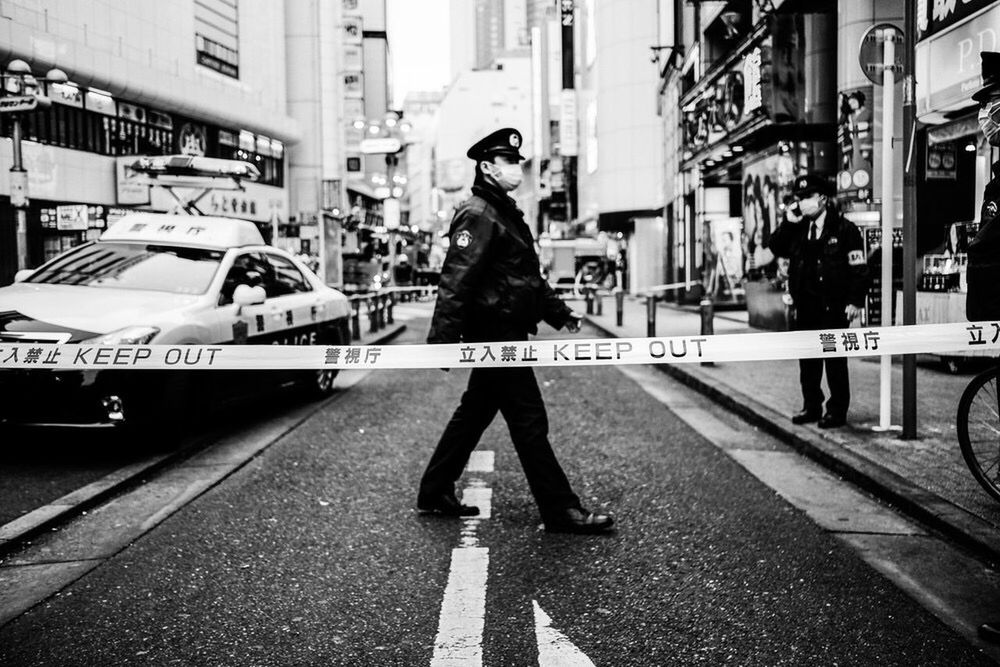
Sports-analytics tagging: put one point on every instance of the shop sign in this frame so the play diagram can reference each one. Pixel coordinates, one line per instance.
(855, 144)
(71, 218)
(718, 111)
(353, 58)
(131, 188)
(62, 93)
(99, 102)
(942, 162)
(934, 16)
(19, 103)
(353, 31)
(948, 65)
(259, 203)
(191, 139)
(354, 84)
(569, 138)
(753, 94)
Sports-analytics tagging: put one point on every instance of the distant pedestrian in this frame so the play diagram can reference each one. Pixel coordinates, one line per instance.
(491, 289)
(983, 273)
(828, 278)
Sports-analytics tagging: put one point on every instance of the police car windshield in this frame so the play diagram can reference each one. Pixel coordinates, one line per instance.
(134, 266)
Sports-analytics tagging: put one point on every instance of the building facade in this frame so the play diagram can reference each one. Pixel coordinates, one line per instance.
(145, 78)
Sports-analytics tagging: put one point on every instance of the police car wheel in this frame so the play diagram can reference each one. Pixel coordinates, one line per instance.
(316, 385)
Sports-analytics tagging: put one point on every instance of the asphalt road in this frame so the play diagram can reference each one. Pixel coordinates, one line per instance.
(312, 554)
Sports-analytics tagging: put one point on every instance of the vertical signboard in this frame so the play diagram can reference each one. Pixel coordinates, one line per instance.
(855, 144)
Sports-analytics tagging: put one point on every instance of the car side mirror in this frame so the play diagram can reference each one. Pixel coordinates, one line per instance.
(244, 295)
(22, 275)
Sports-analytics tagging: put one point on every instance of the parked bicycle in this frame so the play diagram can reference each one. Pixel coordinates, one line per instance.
(979, 429)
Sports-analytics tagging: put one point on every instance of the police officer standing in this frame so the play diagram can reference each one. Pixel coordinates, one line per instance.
(827, 280)
(491, 289)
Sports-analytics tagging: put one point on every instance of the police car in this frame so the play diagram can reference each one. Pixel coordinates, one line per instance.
(155, 278)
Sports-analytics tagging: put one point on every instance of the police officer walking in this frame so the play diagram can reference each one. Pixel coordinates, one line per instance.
(827, 280)
(491, 289)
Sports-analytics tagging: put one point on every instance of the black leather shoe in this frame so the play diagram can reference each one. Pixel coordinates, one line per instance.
(579, 521)
(806, 416)
(832, 421)
(990, 632)
(445, 505)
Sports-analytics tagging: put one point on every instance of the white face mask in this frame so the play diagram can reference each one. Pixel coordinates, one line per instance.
(989, 121)
(810, 207)
(508, 176)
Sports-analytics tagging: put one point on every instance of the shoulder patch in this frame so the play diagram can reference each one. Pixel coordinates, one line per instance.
(463, 239)
(990, 209)
(856, 258)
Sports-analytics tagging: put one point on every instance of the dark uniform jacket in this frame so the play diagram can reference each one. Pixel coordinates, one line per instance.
(983, 270)
(836, 273)
(491, 286)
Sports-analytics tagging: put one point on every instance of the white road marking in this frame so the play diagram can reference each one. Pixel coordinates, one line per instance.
(554, 648)
(463, 611)
(459, 639)
(480, 462)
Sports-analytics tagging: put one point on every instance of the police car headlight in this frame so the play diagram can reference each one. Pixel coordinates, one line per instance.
(126, 336)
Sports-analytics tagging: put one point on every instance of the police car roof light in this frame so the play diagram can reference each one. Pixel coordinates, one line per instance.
(195, 166)
(204, 232)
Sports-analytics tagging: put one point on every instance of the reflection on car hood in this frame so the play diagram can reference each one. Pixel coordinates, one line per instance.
(89, 309)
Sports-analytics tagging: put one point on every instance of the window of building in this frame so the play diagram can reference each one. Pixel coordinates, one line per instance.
(217, 36)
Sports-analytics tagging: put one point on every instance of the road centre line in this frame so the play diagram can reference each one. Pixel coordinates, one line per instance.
(459, 640)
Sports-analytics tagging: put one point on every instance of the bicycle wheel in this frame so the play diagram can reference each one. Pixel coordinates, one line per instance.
(978, 428)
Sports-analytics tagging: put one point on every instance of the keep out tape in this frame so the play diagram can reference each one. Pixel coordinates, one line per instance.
(878, 341)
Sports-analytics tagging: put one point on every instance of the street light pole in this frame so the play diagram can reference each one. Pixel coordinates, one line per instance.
(22, 95)
(18, 180)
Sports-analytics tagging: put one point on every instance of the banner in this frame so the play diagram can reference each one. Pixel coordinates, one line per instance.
(875, 341)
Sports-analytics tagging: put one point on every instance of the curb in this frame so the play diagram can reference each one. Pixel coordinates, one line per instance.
(932, 510)
(27, 526)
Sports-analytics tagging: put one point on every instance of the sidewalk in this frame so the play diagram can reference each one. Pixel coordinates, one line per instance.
(926, 478)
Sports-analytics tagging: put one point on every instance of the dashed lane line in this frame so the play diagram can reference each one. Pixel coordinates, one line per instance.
(459, 641)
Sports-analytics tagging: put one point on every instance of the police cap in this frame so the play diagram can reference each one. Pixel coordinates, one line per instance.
(505, 142)
(991, 77)
(806, 185)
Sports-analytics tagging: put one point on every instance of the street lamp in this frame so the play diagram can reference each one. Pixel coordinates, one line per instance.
(21, 95)
(387, 136)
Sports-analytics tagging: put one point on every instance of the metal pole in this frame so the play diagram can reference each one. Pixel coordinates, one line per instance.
(598, 304)
(651, 316)
(21, 213)
(909, 220)
(888, 218)
(707, 309)
(619, 306)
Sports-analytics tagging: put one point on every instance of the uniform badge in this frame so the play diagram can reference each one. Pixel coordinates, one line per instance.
(515, 140)
(463, 239)
(832, 240)
(990, 210)
(855, 258)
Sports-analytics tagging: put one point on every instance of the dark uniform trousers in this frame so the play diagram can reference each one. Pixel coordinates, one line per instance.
(514, 393)
(813, 315)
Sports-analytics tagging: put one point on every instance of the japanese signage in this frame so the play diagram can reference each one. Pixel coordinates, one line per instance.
(131, 187)
(569, 138)
(72, 217)
(942, 162)
(867, 341)
(769, 81)
(948, 65)
(854, 139)
(934, 16)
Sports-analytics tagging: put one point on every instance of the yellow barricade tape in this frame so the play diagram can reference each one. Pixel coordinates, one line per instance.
(876, 341)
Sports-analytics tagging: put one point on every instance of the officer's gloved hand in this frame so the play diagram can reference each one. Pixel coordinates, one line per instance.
(575, 320)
